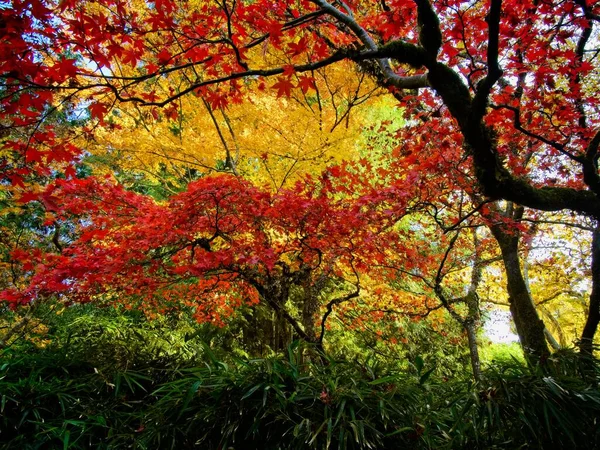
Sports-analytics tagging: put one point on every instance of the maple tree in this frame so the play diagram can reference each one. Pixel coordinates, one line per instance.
(506, 86)
(448, 278)
(449, 196)
(220, 244)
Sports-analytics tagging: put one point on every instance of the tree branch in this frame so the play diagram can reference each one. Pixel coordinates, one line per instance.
(430, 36)
(331, 304)
(390, 76)
(590, 164)
(494, 71)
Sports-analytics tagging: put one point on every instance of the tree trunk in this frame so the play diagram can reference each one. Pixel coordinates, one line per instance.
(550, 339)
(472, 321)
(586, 345)
(471, 329)
(530, 327)
(310, 307)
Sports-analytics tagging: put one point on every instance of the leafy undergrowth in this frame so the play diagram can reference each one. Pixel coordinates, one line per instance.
(70, 397)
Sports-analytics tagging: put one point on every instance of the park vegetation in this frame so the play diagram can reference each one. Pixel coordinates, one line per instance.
(287, 224)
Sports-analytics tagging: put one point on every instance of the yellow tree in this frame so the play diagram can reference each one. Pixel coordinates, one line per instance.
(271, 140)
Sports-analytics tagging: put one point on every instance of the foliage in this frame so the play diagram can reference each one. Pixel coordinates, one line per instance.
(270, 141)
(220, 244)
(400, 341)
(69, 396)
(490, 108)
(501, 353)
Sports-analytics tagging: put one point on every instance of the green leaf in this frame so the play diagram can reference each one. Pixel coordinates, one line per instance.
(340, 411)
(66, 438)
(399, 430)
(188, 398)
(252, 390)
(426, 376)
(419, 364)
(388, 379)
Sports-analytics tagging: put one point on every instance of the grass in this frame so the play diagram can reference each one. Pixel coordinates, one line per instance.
(495, 352)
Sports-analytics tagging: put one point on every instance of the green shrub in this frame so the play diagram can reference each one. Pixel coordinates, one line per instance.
(278, 403)
(106, 385)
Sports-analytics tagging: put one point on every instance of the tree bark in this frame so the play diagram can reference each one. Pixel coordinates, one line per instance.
(586, 345)
(530, 327)
(471, 329)
(310, 308)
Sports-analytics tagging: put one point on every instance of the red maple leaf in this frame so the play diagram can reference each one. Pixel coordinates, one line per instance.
(197, 54)
(67, 67)
(164, 56)
(33, 156)
(98, 110)
(70, 171)
(298, 48)
(17, 180)
(275, 32)
(115, 49)
(27, 197)
(284, 86)
(306, 82)
(130, 57)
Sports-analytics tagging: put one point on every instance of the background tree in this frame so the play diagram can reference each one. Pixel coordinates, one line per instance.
(268, 140)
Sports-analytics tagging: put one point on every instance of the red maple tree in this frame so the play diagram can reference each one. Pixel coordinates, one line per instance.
(220, 244)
